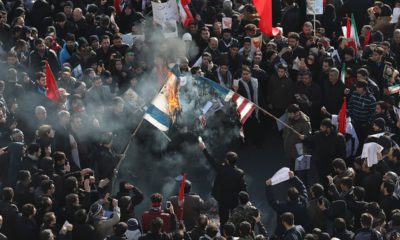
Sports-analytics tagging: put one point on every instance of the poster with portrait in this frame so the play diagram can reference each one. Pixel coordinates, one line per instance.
(165, 12)
(226, 23)
(315, 7)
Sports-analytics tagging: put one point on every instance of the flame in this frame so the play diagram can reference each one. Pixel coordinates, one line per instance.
(172, 87)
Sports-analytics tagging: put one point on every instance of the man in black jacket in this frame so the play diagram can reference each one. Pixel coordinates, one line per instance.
(31, 160)
(389, 201)
(40, 54)
(333, 92)
(228, 182)
(327, 145)
(292, 232)
(9, 212)
(366, 231)
(340, 230)
(296, 204)
(5, 31)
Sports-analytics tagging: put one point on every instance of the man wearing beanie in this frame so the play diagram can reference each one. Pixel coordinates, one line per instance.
(102, 225)
(133, 232)
(327, 145)
(168, 216)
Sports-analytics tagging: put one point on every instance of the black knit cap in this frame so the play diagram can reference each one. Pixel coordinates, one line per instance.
(327, 123)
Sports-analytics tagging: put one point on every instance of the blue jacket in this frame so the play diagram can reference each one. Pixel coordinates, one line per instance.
(64, 54)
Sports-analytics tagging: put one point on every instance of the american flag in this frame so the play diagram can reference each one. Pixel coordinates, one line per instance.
(243, 105)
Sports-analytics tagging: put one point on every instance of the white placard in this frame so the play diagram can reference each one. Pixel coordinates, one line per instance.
(302, 163)
(395, 15)
(226, 23)
(315, 7)
(170, 29)
(280, 176)
(299, 148)
(256, 43)
(165, 12)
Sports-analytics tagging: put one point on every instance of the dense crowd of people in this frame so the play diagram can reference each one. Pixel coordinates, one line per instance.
(59, 156)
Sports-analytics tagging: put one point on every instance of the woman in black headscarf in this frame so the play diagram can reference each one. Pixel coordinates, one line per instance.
(330, 22)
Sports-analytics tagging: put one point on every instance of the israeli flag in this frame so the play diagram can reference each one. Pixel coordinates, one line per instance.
(157, 112)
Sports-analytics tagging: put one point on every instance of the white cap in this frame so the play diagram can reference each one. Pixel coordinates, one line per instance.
(187, 37)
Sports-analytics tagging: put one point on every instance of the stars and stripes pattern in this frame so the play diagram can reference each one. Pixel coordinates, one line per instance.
(243, 105)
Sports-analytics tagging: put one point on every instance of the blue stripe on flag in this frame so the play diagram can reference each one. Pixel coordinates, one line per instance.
(159, 115)
(217, 87)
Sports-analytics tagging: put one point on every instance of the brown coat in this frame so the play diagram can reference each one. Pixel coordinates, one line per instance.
(290, 139)
(193, 206)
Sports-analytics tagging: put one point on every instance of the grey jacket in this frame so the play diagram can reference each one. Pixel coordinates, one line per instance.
(104, 227)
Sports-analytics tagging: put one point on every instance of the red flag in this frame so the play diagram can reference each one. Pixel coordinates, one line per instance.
(342, 117)
(264, 9)
(367, 38)
(348, 28)
(117, 6)
(185, 2)
(181, 198)
(51, 84)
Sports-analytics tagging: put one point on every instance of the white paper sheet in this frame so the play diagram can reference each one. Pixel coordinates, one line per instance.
(370, 151)
(378, 135)
(280, 176)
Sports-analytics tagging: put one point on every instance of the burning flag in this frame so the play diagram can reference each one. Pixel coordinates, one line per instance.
(164, 108)
(172, 88)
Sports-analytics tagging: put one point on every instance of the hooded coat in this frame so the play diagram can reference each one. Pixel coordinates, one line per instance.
(290, 139)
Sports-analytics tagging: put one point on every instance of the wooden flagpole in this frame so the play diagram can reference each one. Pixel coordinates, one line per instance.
(116, 169)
